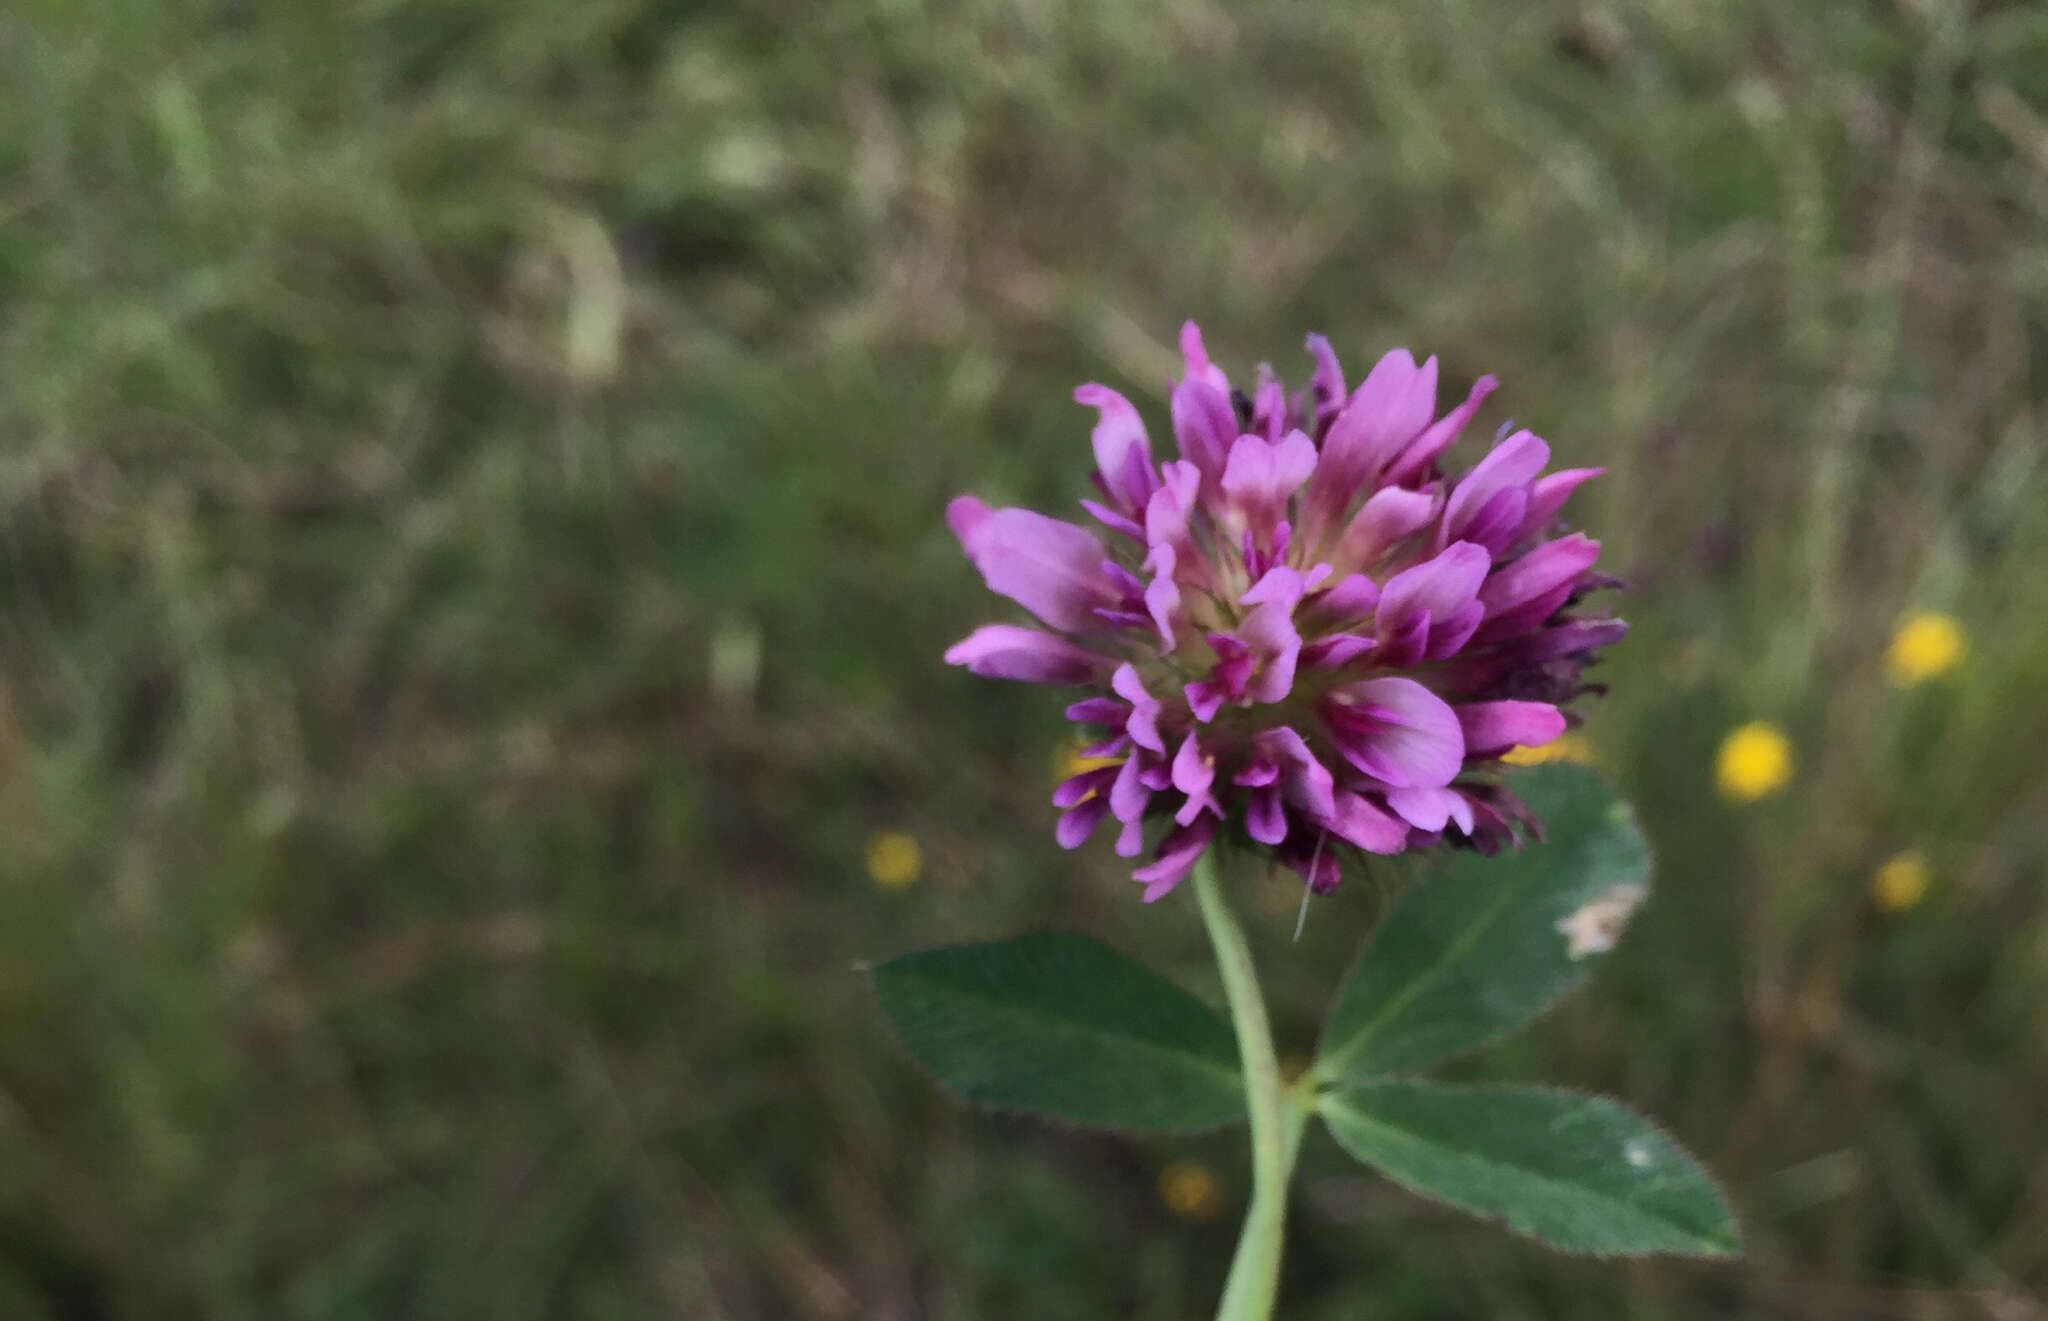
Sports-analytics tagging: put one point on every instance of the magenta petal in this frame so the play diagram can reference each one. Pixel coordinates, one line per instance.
(1492, 728)
(1051, 568)
(1402, 645)
(1513, 462)
(1143, 726)
(1396, 731)
(966, 515)
(1172, 505)
(1229, 650)
(1447, 636)
(1193, 772)
(1353, 598)
(1431, 809)
(1248, 473)
(1099, 711)
(1130, 841)
(1326, 382)
(1261, 769)
(1498, 523)
(1008, 651)
(1536, 573)
(1234, 666)
(1387, 411)
(1279, 585)
(1335, 651)
(1176, 857)
(1114, 521)
(1262, 477)
(1204, 424)
(1440, 585)
(1548, 495)
(1140, 479)
(1389, 517)
(1275, 680)
(1128, 796)
(1269, 407)
(1358, 822)
(1117, 431)
(1077, 788)
(1127, 584)
(1077, 823)
(1205, 698)
(1293, 463)
(1196, 357)
(1265, 820)
(1580, 635)
(1528, 615)
(1270, 631)
(1305, 781)
(1440, 436)
(1162, 595)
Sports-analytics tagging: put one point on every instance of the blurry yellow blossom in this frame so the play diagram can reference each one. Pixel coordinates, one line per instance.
(1565, 747)
(1901, 882)
(1069, 761)
(894, 859)
(1190, 1191)
(1928, 645)
(1755, 760)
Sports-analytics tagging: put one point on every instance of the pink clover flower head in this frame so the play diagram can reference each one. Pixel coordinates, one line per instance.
(1303, 632)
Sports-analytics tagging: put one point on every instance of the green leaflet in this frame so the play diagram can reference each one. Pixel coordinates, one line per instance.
(1582, 1173)
(1487, 943)
(1060, 1025)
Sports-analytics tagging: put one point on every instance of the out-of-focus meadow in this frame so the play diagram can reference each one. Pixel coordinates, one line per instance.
(474, 577)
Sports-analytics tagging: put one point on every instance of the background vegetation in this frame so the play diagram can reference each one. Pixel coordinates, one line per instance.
(470, 510)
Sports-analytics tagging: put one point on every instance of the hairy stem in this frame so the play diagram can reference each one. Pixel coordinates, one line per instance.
(1276, 1117)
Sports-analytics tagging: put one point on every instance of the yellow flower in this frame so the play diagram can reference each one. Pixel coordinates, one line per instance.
(1068, 761)
(1570, 746)
(1190, 1191)
(894, 859)
(1755, 760)
(1901, 882)
(1928, 645)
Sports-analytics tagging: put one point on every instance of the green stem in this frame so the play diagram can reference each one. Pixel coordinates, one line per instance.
(1276, 1117)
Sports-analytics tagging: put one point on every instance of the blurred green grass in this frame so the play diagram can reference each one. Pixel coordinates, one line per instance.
(470, 489)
